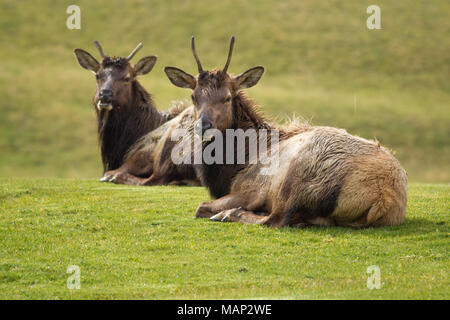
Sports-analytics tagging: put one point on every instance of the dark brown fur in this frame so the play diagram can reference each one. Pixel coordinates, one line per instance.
(125, 110)
(149, 161)
(126, 124)
(218, 177)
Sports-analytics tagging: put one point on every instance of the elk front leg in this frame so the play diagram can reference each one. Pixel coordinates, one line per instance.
(239, 215)
(128, 179)
(138, 165)
(211, 208)
(275, 219)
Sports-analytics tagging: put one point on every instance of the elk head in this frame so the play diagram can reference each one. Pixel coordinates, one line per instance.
(214, 92)
(115, 76)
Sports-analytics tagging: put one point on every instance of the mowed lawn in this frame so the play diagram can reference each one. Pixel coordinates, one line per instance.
(143, 242)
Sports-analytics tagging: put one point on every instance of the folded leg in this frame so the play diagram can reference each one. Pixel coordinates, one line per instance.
(211, 208)
(239, 215)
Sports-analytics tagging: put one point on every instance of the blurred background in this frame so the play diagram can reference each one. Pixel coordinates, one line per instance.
(322, 64)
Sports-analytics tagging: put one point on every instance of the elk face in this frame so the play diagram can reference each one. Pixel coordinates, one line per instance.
(114, 79)
(115, 76)
(213, 92)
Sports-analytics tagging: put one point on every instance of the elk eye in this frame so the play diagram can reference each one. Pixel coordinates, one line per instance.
(127, 79)
(228, 99)
(193, 98)
(97, 76)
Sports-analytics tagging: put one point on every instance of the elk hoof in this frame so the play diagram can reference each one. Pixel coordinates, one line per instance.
(203, 211)
(224, 216)
(103, 179)
(218, 217)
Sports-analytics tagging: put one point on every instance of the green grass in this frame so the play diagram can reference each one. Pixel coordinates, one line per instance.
(322, 63)
(143, 242)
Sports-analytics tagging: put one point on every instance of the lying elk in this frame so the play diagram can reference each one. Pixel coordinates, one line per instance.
(124, 109)
(154, 150)
(325, 176)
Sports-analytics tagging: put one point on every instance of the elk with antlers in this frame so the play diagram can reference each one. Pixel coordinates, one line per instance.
(124, 109)
(325, 176)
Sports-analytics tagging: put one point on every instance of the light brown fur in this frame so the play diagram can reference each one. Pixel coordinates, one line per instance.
(377, 186)
(325, 176)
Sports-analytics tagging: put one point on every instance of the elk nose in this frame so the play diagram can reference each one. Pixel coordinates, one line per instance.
(206, 125)
(201, 126)
(106, 95)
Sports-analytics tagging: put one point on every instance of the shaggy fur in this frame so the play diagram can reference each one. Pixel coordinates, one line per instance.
(325, 175)
(125, 124)
(148, 161)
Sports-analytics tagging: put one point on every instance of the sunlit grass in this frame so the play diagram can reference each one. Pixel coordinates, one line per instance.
(143, 242)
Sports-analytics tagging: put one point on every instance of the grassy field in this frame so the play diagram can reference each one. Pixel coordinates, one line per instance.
(143, 242)
(322, 64)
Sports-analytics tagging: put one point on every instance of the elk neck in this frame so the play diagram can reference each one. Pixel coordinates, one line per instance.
(218, 178)
(125, 124)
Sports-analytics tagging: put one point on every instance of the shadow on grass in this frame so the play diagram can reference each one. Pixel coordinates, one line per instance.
(410, 226)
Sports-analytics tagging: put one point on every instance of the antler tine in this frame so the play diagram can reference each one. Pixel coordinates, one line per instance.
(200, 69)
(99, 48)
(131, 55)
(230, 52)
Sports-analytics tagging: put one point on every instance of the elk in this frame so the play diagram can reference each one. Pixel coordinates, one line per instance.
(154, 150)
(124, 109)
(325, 176)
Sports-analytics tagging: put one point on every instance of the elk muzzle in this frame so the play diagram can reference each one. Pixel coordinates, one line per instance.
(201, 126)
(105, 99)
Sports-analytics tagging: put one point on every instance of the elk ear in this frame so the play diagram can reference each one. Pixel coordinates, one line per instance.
(249, 78)
(180, 78)
(86, 60)
(145, 65)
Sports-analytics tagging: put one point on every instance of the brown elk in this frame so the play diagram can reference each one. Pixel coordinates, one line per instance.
(325, 176)
(125, 110)
(154, 151)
